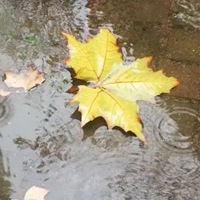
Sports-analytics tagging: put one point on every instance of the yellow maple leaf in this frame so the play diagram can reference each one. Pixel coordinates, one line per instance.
(114, 87)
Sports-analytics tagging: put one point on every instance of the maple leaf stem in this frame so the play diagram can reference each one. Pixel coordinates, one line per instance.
(93, 84)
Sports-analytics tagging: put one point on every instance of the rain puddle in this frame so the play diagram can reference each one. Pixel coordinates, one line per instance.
(189, 12)
(41, 145)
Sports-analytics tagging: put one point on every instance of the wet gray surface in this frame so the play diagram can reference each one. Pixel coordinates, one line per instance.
(41, 145)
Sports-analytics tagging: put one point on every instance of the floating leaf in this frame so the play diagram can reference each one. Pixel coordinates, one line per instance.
(114, 87)
(35, 193)
(4, 93)
(26, 79)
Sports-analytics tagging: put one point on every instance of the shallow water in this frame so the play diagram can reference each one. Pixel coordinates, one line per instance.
(189, 12)
(40, 144)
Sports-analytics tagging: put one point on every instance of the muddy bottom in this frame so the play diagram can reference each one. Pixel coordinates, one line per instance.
(42, 145)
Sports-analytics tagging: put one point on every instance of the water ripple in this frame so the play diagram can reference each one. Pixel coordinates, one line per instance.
(176, 129)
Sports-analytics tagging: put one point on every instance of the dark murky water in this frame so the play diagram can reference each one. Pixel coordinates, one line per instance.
(39, 142)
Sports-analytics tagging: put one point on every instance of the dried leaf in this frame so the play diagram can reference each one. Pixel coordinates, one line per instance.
(35, 193)
(4, 93)
(26, 79)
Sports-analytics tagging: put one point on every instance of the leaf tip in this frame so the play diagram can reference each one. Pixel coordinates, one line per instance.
(66, 61)
(105, 30)
(89, 39)
(143, 139)
(68, 36)
(177, 82)
(149, 59)
(146, 60)
(64, 34)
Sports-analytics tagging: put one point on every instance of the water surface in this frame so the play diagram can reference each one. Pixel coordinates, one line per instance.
(41, 145)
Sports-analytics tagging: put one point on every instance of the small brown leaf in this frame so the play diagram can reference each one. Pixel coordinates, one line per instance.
(73, 90)
(26, 79)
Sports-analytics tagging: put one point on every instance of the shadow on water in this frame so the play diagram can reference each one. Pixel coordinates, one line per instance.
(41, 145)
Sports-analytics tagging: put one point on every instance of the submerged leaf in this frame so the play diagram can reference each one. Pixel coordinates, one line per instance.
(116, 87)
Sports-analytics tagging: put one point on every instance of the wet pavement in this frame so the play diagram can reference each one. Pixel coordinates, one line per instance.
(41, 145)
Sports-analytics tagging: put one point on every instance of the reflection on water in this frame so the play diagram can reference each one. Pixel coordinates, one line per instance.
(43, 22)
(107, 165)
(4, 110)
(41, 145)
(189, 13)
(5, 185)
